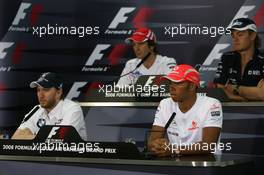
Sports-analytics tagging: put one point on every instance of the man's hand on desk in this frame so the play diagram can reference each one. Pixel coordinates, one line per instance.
(23, 134)
(244, 93)
(229, 91)
(253, 93)
(160, 147)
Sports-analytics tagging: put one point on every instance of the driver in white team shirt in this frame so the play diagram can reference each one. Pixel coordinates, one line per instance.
(53, 109)
(144, 45)
(197, 121)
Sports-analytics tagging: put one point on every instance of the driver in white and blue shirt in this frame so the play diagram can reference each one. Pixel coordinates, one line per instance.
(52, 109)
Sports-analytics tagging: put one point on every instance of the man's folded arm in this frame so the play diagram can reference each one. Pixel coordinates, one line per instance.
(24, 134)
(253, 92)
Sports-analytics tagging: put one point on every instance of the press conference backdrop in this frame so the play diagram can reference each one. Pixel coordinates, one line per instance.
(91, 51)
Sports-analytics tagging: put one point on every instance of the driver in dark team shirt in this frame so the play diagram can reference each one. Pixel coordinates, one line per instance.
(240, 72)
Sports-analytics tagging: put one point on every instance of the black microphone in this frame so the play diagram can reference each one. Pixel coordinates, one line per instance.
(170, 120)
(139, 64)
(143, 60)
(148, 154)
(30, 113)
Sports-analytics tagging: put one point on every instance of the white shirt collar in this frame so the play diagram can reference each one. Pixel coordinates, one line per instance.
(56, 111)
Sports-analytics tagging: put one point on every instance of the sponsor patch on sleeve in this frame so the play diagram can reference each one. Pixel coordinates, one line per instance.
(215, 113)
(158, 109)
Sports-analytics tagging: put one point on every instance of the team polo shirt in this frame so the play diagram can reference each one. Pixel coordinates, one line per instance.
(187, 128)
(66, 112)
(229, 70)
(161, 66)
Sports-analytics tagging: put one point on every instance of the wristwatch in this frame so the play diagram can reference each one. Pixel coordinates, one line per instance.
(236, 90)
(176, 153)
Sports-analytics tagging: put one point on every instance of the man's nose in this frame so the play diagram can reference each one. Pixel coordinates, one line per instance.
(234, 37)
(40, 94)
(136, 46)
(172, 88)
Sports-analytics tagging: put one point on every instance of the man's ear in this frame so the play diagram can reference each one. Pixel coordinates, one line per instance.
(192, 86)
(253, 36)
(152, 48)
(59, 92)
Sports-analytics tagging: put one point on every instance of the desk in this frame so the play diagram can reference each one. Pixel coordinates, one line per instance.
(225, 164)
(155, 104)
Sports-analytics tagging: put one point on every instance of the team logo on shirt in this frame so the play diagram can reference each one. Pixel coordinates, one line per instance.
(136, 74)
(215, 106)
(174, 123)
(217, 75)
(173, 133)
(171, 65)
(58, 122)
(194, 126)
(215, 113)
(253, 72)
(41, 122)
(231, 70)
(158, 109)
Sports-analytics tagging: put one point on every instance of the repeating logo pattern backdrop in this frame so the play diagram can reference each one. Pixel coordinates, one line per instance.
(84, 41)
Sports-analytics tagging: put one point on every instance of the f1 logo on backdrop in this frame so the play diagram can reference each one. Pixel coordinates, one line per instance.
(4, 47)
(26, 11)
(121, 16)
(13, 49)
(21, 14)
(97, 54)
(115, 54)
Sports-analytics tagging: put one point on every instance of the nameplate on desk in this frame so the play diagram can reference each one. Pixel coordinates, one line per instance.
(147, 89)
(64, 141)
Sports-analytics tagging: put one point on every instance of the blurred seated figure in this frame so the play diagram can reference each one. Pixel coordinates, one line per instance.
(240, 73)
(53, 109)
(191, 122)
(148, 61)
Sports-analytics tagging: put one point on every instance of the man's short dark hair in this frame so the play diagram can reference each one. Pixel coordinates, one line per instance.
(257, 41)
(153, 44)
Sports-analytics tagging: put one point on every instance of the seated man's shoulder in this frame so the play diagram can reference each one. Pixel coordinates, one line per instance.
(166, 61)
(260, 56)
(167, 102)
(133, 61)
(69, 104)
(210, 101)
(166, 58)
(230, 54)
